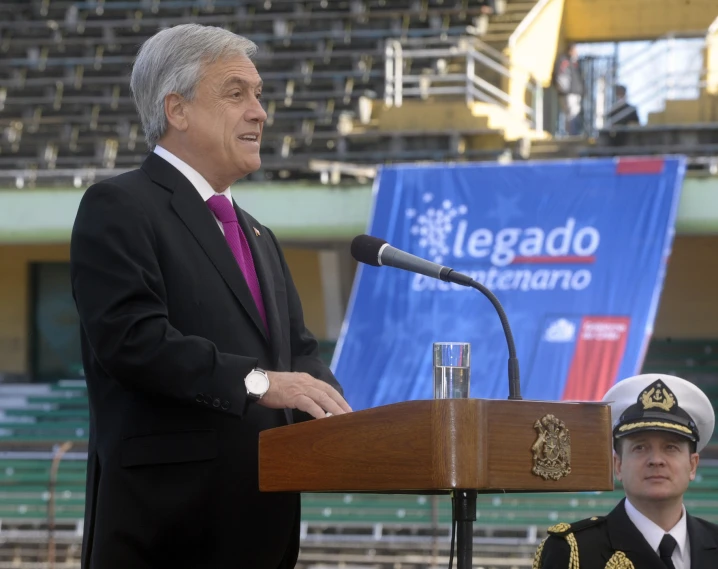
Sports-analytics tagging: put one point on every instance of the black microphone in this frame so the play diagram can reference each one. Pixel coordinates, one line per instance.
(377, 252)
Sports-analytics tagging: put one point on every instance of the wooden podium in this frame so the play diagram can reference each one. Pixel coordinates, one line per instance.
(440, 446)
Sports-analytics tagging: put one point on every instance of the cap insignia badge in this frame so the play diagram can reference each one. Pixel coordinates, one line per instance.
(659, 397)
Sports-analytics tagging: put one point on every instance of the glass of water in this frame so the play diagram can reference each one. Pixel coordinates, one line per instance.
(452, 368)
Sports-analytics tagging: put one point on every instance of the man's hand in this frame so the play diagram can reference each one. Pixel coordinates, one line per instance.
(301, 391)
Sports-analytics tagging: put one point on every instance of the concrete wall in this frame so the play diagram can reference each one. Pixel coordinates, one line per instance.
(617, 20)
(689, 304)
(711, 64)
(304, 266)
(445, 114)
(702, 110)
(15, 302)
(535, 49)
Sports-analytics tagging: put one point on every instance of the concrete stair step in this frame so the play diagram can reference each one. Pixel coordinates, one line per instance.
(516, 17)
(518, 5)
(502, 28)
(496, 40)
(565, 147)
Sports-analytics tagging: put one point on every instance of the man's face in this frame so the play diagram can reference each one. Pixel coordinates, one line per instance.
(225, 119)
(655, 466)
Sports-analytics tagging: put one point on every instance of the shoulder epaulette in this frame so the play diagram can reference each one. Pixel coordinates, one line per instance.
(566, 531)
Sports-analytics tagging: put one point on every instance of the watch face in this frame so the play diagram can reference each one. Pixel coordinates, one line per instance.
(257, 383)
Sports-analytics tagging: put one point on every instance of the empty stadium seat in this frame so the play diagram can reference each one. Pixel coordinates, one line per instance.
(65, 82)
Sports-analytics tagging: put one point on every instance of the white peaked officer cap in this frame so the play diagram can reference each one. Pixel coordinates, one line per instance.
(657, 402)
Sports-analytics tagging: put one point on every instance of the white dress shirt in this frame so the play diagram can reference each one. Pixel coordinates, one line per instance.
(654, 534)
(195, 178)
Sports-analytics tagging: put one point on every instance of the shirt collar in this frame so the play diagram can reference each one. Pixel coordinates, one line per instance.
(195, 178)
(654, 533)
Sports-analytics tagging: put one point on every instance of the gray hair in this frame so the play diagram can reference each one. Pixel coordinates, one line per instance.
(171, 61)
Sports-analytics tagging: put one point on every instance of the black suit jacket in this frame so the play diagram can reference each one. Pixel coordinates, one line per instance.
(598, 539)
(169, 330)
(627, 114)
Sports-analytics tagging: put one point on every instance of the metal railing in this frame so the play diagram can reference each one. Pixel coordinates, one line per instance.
(61, 451)
(673, 70)
(464, 67)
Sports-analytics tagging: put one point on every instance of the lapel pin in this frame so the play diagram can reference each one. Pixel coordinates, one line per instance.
(256, 231)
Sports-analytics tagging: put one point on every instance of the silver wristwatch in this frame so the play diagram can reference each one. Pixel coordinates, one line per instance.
(257, 384)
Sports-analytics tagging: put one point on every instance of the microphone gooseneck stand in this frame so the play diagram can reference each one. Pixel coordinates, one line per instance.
(464, 518)
(464, 510)
(514, 381)
(377, 252)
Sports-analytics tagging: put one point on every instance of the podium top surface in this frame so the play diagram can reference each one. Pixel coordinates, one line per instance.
(438, 445)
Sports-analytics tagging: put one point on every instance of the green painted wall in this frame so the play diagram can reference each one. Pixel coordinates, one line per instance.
(296, 213)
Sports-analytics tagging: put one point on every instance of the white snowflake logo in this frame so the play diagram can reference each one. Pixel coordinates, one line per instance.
(434, 226)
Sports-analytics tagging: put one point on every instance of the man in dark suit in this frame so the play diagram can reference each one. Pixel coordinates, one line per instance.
(661, 422)
(185, 300)
(622, 113)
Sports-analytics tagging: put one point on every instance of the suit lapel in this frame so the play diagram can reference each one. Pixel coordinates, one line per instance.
(195, 214)
(624, 536)
(260, 245)
(704, 549)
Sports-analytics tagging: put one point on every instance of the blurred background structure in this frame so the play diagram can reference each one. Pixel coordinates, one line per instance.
(349, 85)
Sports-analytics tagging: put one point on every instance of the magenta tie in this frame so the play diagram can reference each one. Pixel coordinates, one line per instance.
(237, 241)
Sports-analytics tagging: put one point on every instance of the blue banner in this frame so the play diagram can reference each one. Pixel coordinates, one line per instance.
(576, 252)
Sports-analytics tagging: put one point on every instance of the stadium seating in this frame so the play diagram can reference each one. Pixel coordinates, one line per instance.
(68, 116)
(36, 419)
(64, 88)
